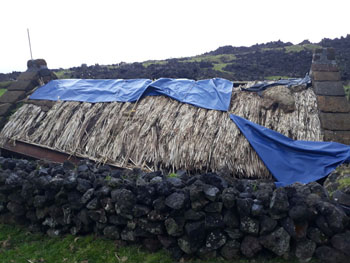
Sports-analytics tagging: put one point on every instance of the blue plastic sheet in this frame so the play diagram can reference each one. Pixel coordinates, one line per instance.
(209, 94)
(212, 94)
(282, 82)
(92, 90)
(292, 161)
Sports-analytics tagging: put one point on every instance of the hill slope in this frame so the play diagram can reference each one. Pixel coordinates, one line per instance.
(261, 61)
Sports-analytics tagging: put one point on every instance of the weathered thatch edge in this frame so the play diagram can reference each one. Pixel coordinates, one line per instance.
(162, 133)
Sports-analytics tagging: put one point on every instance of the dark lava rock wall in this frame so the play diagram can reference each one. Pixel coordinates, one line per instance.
(202, 216)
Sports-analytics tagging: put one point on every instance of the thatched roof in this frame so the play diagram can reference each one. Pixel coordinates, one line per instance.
(161, 133)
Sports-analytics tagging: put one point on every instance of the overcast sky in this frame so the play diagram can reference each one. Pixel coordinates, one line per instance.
(69, 33)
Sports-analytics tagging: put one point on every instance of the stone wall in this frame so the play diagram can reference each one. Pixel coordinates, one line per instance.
(200, 216)
(334, 108)
(36, 74)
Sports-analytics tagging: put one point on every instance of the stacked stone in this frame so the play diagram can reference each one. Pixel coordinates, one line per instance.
(333, 106)
(199, 216)
(338, 185)
(36, 74)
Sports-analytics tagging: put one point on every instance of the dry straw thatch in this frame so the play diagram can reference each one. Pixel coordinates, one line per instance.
(161, 133)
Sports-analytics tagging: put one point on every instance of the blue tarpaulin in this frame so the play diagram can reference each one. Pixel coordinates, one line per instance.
(212, 94)
(92, 90)
(209, 93)
(289, 160)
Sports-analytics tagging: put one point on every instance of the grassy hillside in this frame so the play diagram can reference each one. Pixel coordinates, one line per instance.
(258, 62)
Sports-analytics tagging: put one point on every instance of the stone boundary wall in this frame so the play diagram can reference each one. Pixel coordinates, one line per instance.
(36, 74)
(201, 216)
(334, 108)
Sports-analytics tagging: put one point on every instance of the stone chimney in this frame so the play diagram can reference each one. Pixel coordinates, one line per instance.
(334, 108)
(37, 74)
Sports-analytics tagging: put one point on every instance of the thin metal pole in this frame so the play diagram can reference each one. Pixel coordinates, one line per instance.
(30, 46)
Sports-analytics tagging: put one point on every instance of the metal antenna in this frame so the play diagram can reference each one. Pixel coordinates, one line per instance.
(30, 46)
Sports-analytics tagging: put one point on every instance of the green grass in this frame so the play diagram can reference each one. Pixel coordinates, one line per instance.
(217, 59)
(2, 91)
(171, 175)
(344, 182)
(347, 91)
(219, 67)
(298, 48)
(294, 48)
(17, 245)
(63, 74)
(155, 62)
(269, 48)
